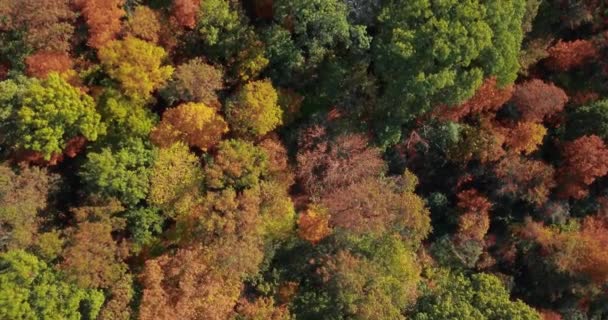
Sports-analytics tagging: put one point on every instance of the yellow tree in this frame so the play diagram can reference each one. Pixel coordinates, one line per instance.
(136, 64)
(175, 179)
(254, 111)
(193, 123)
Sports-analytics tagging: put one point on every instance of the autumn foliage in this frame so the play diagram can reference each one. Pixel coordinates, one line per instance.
(488, 98)
(578, 251)
(313, 225)
(40, 64)
(185, 12)
(103, 19)
(474, 222)
(566, 55)
(537, 100)
(192, 123)
(585, 160)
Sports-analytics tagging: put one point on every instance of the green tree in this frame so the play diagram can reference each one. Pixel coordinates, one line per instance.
(254, 111)
(29, 289)
(432, 53)
(124, 117)
(370, 278)
(136, 65)
(589, 119)
(47, 113)
(120, 172)
(319, 29)
(478, 297)
(144, 224)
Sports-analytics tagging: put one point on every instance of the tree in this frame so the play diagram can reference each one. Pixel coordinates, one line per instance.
(525, 137)
(195, 81)
(371, 278)
(480, 296)
(254, 110)
(121, 172)
(42, 63)
(23, 195)
(47, 23)
(193, 123)
(136, 65)
(185, 12)
(175, 177)
(92, 258)
(327, 165)
(238, 164)
(47, 113)
(488, 98)
(277, 211)
(188, 286)
(261, 308)
(529, 180)
(588, 119)
(313, 224)
(30, 289)
(318, 29)
(379, 205)
(584, 161)
(432, 54)
(125, 118)
(566, 55)
(474, 222)
(103, 19)
(145, 24)
(483, 143)
(537, 100)
(144, 224)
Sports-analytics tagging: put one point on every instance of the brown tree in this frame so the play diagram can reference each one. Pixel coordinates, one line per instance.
(188, 285)
(48, 23)
(325, 164)
(379, 205)
(145, 24)
(530, 180)
(585, 159)
(537, 100)
(195, 81)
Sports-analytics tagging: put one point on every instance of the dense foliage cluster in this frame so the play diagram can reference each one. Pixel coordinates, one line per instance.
(303, 159)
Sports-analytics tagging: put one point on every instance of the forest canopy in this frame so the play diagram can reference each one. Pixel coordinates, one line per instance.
(303, 159)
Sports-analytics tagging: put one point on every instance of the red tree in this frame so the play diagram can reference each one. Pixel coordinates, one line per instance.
(564, 56)
(585, 159)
